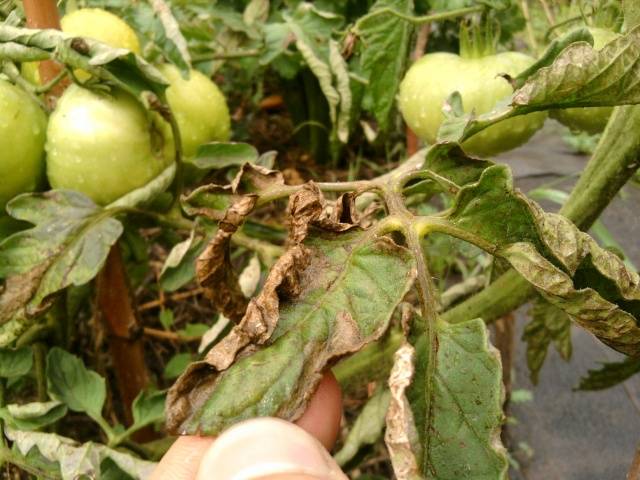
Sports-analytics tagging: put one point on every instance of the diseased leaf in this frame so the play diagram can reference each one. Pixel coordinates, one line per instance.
(256, 11)
(592, 285)
(67, 246)
(32, 416)
(118, 66)
(212, 201)
(329, 295)
(609, 322)
(457, 403)
(175, 46)
(580, 76)
(71, 383)
(311, 29)
(368, 427)
(15, 363)
(213, 267)
(549, 324)
(385, 46)
(77, 460)
(401, 436)
(610, 374)
(631, 13)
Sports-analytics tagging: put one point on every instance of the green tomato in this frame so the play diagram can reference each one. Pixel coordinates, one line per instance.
(432, 79)
(199, 107)
(104, 145)
(22, 135)
(593, 119)
(101, 25)
(92, 23)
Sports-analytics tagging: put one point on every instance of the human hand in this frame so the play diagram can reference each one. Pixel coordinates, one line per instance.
(264, 448)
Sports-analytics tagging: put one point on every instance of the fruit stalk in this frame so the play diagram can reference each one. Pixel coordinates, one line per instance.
(114, 298)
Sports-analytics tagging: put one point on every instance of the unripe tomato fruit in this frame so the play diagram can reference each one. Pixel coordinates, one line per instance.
(104, 145)
(102, 26)
(92, 23)
(22, 135)
(199, 108)
(432, 79)
(594, 119)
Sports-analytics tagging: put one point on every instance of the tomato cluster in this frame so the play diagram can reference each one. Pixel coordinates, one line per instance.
(101, 144)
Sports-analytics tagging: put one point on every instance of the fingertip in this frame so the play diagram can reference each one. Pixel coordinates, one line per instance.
(324, 412)
(182, 460)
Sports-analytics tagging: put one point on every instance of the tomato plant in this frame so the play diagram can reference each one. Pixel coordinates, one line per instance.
(234, 206)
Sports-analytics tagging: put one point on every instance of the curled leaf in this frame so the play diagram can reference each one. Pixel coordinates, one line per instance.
(213, 267)
(401, 436)
(324, 298)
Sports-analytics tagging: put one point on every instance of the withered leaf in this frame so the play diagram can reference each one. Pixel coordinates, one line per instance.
(325, 298)
(213, 267)
(401, 436)
(567, 267)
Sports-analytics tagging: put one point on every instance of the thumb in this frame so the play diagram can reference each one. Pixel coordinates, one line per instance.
(267, 448)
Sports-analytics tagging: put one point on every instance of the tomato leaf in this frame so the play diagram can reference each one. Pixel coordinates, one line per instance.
(33, 416)
(118, 66)
(631, 13)
(323, 57)
(148, 408)
(15, 363)
(217, 155)
(385, 46)
(565, 265)
(549, 324)
(67, 246)
(213, 267)
(324, 298)
(71, 383)
(76, 460)
(449, 414)
(174, 44)
(580, 76)
(368, 427)
(610, 374)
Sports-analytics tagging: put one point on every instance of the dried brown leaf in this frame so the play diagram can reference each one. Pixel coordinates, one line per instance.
(401, 436)
(213, 267)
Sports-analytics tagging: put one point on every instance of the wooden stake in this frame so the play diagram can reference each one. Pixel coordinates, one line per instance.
(44, 14)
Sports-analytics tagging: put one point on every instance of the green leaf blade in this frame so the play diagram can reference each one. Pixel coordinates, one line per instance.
(71, 383)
